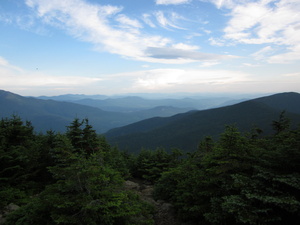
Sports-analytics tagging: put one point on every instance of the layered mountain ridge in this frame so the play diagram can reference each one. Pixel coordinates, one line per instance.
(186, 130)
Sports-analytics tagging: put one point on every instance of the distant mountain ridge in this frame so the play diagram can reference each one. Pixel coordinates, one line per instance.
(56, 115)
(147, 128)
(186, 130)
(72, 97)
(50, 114)
(136, 103)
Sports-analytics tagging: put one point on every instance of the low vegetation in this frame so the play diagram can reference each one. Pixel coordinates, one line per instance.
(78, 178)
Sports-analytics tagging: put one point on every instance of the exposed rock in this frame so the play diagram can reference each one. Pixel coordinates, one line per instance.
(164, 212)
(12, 207)
(8, 209)
(130, 185)
(2, 219)
(147, 191)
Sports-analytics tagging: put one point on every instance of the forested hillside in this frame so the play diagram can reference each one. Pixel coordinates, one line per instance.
(78, 178)
(56, 115)
(184, 130)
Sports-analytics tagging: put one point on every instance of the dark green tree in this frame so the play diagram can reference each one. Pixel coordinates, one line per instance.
(85, 189)
(75, 133)
(282, 124)
(240, 180)
(150, 164)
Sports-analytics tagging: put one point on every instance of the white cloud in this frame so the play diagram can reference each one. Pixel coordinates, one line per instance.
(3, 62)
(185, 46)
(265, 22)
(167, 22)
(152, 80)
(188, 80)
(94, 23)
(243, 18)
(193, 35)
(286, 58)
(225, 3)
(5, 67)
(262, 53)
(216, 41)
(90, 23)
(209, 64)
(147, 20)
(126, 21)
(171, 2)
(250, 65)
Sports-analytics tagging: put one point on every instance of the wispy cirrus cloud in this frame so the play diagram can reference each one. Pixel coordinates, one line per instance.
(166, 22)
(273, 22)
(96, 24)
(263, 53)
(128, 22)
(147, 20)
(6, 67)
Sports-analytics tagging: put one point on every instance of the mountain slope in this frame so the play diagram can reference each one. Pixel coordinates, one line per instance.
(49, 114)
(56, 115)
(186, 130)
(289, 101)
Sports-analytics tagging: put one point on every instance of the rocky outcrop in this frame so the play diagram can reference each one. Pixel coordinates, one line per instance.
(8, 209)
(164, 212)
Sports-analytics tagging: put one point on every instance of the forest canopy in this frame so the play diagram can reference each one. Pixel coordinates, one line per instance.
(78, 178)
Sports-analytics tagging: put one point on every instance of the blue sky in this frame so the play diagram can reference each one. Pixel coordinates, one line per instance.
(149, 46)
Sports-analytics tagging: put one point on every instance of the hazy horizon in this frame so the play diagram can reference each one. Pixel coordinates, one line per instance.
(114, 47)
(157, 95)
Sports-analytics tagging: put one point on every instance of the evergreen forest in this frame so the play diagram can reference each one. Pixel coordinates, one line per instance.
(76, 177)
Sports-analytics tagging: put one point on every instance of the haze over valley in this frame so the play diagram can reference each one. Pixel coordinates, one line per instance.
(104, 112)
(133, 123)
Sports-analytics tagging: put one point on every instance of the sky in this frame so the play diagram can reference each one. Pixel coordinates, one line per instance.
(54, 47)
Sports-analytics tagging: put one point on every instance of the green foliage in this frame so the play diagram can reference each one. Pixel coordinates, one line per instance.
(83, 139)
(185, 130)
(16, 139)
(151, 164)
(238, 180)
(77, 177)
(84, 178)
(88, 192)
(10, 194)
(282, 124)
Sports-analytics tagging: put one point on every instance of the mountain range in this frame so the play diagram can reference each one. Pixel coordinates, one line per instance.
(56, 115)
(57, 112)
(186, 130)
(137, 103)
(143, 123)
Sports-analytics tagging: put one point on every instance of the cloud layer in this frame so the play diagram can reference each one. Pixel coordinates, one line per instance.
(265, 22)
(241, 44)
(112, 31)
